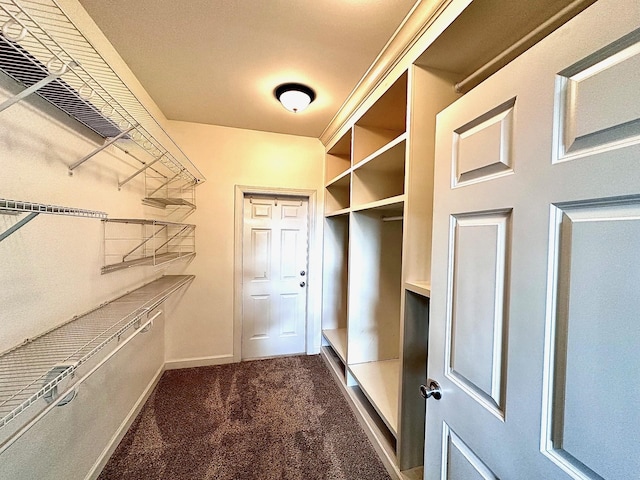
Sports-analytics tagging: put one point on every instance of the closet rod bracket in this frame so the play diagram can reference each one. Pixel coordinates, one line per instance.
(100, 148)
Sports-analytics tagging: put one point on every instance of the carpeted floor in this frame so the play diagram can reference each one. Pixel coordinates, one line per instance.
(269, 420)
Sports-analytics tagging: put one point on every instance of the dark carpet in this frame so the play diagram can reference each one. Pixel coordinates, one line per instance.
(269, 419)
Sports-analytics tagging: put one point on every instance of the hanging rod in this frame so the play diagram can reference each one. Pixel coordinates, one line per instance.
(520, 46)
(38, 39)
(12, 207)
(392, 219)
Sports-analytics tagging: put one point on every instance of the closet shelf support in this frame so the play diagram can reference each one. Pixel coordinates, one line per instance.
(134, 175)
(102, 147)
(28, 91)
(17, 226)
(124, 257)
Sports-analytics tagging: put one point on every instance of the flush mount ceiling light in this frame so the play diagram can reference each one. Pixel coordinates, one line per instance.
(295, 97)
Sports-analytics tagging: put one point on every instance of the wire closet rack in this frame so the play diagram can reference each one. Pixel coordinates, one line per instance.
(33, 374)
(132, 242)
(41, 48)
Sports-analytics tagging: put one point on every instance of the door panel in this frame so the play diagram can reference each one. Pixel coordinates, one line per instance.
(595, 290)
(275, 242)
(600, 106)
(476, 330)
(482, 147)
(459, 461)
(552, 144)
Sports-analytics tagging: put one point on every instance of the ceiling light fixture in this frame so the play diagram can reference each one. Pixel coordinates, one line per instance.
(295, 97)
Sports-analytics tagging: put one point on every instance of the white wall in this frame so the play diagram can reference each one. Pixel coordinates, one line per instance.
(200, 330)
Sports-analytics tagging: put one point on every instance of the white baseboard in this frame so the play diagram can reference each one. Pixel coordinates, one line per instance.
(124, 427)
(199, 362)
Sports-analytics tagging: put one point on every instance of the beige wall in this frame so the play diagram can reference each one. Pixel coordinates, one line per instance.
(200, 330)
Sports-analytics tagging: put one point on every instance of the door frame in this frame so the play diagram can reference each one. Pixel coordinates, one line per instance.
(314, 266)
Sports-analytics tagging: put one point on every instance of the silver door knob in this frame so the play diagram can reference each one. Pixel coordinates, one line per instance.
(433, 390)
(302, 284)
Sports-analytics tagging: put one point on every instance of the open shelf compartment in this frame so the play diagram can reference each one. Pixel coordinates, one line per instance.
(338, 157)
(137, 242)
(382, 175)
(383, 122)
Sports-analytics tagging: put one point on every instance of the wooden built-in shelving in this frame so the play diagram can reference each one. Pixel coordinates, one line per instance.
(377, 258)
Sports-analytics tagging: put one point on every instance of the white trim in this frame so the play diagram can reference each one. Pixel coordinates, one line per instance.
(124, 427)
(199, 362)
(314, 282)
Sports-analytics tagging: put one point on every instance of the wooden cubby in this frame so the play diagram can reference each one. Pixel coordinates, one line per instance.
(382, 123)
(338, 158)
(335, 284)
(380, 176)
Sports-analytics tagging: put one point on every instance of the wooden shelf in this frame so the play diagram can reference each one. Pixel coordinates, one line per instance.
(338, 193)
(380, 383)
(392, 204)
(341, 179)
(382, 158)
(418, 287)
(338, 213)
(337, 338)
(338, 157)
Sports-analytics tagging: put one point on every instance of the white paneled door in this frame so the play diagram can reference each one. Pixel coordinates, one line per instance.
(274, 287)
(534, 333)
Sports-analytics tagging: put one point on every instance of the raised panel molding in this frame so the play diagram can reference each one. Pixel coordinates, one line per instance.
(288, 247)
(482, 148)
(598, 105)
(459, 461)
(261, 254)
(259, 316)
(592, 337)
(288, 314)
(476, 333)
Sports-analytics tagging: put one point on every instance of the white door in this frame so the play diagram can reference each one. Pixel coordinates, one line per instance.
(535, 328)
(274, 291)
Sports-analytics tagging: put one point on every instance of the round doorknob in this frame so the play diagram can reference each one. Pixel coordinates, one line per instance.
(433, 390)
(302, 284)
(302, 273)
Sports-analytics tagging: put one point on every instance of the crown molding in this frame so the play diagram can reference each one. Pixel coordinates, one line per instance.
(415, 25)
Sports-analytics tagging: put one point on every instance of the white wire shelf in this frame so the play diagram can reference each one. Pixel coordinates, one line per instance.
(132, 242)
(162, 191)
(17, 207)
(31, 373)
(41, 48)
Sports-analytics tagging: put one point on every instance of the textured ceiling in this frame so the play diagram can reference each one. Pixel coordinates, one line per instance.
(218, 61)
